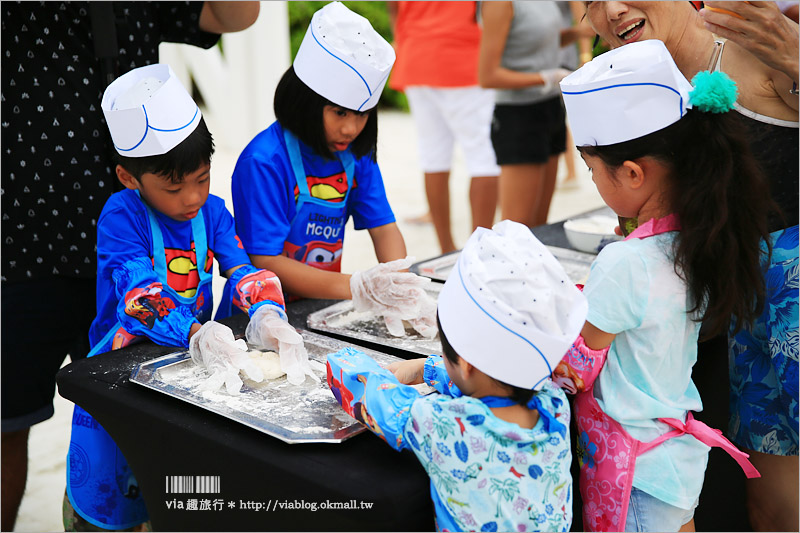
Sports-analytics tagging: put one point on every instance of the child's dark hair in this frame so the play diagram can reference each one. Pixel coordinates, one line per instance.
(299, 109)
(518, 394)
(722, 200)
(194, 151)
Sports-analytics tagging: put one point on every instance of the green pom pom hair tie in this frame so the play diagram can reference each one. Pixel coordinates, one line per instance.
(714, 92)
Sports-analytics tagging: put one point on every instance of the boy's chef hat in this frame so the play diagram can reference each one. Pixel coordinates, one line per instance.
(148, 111)
(509, 308)
(625, 94)
(343, 59)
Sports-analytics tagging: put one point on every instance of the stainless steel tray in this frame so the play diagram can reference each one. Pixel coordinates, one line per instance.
(341, 319)
(576, 264)
(306, 413)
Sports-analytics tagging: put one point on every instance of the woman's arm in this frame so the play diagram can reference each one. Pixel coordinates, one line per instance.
(496, 17)
(303, 280)
(388, 242)
(224, 17)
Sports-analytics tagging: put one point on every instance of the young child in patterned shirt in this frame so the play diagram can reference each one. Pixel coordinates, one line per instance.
(495, 440)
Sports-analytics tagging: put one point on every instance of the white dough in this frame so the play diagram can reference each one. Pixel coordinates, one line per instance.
(269, 363)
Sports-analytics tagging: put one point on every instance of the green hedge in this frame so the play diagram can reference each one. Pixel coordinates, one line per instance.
(300, 14)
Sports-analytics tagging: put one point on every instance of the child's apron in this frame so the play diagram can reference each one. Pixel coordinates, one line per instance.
(606, 452)
(313, 238)
(100, 484)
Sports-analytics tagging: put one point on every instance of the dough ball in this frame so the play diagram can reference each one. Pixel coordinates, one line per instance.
(269, 363)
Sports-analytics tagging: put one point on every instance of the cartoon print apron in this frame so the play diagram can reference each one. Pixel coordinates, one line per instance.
(606, 451)
(316, 234)
(100, 484)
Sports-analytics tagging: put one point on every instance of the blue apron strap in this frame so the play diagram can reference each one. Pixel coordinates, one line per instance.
(296, 160)
(105, 341)
(349, 165)
(200, 249)
(159, 256)
(551, 424)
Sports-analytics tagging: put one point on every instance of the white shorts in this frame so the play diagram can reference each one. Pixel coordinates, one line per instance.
(463, 114)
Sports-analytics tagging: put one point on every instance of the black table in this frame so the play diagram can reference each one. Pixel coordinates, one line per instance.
(161, 436)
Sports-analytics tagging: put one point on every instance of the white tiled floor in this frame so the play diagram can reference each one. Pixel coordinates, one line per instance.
(41, 507)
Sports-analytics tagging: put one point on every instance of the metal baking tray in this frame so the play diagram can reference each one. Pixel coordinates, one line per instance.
(306, 413)
(576, 264)
(342, 320)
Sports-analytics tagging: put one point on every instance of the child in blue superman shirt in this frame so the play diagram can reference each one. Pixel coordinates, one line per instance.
(156, 242)
(495, 440)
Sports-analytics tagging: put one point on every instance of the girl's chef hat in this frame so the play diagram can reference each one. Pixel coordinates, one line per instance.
(343, 59)
(625, 94)
(148, 111)
(509, 308)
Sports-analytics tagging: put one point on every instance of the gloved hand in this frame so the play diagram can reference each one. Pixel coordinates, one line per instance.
(552, 76)
(214, 347)
(268, 330)
(395, 295)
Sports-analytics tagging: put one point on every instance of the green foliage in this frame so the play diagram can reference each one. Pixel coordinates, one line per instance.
(300, 14)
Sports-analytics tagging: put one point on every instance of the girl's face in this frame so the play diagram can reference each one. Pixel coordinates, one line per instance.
(342, 126)
(620, 23)
(610, 186)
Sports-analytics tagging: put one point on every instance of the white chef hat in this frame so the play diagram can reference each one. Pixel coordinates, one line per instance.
(343, 59)
(625, 94)
(148, 111)
(508, 307)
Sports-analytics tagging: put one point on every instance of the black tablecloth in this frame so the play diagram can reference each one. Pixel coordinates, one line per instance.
(161, 436)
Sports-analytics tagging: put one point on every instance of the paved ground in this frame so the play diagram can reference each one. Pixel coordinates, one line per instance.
(41, 507)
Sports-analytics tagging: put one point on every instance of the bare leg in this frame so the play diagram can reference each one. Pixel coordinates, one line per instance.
(483, 200)
(545, 193)
(569, 159)
(772, 499)
(518, 189)
(437, 189)
(14, 453)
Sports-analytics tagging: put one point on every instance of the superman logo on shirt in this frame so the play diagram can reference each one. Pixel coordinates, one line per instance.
(182, 275)
(331, 188)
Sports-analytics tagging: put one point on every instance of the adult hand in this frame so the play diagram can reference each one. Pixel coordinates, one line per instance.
(552, 76)
(385, 290)
(758, 27)
(214, 347)
(268, 330)
(409, 372)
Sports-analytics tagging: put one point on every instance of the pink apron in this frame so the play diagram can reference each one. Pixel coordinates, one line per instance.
(606, 452)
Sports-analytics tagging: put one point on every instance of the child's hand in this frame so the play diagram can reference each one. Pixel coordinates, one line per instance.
(408, 372)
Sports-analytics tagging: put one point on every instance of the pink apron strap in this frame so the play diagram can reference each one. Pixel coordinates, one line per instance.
(710, 437)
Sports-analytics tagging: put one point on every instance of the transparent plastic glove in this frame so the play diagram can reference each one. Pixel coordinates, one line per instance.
(384, 290)
(425, 323)
(552, 76)
(214, 347)
(268, 330)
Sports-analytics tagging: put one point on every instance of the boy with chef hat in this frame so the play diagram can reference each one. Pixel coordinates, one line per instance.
(298, 182)
(156, 241)
(495, 440)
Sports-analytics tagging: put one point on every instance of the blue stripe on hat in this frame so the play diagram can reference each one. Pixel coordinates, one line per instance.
(148, 127)
(549, 368)
(346, 63)
(577, 93)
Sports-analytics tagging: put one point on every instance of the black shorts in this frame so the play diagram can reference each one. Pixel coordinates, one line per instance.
(529, 133)
(43, 320)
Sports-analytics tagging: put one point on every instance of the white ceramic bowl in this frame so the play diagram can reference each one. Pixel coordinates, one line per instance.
(591, 234)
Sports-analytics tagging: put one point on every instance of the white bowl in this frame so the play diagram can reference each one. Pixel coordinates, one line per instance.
(591, 234)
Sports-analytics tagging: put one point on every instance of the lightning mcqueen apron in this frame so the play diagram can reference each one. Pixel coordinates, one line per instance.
(316, 234)
(606, 452)
(100, 484)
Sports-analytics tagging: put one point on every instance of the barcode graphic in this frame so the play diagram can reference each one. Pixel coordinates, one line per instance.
(192, 484)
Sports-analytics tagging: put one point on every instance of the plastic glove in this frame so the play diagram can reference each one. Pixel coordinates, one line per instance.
(214, 347)
(552, 76)
(425, 323)
(386, 291)
(268, 330)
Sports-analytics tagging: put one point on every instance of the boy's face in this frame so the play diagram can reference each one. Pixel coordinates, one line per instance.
(342, 126)
(179, 201)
